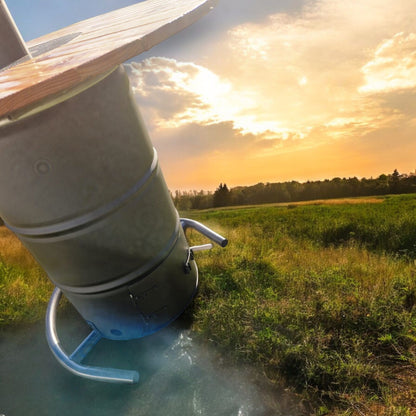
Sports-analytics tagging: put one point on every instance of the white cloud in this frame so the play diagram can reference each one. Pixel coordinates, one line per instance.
(182, 92)
(393, 66)
(308, 67)
(288, 75)
(307, 80)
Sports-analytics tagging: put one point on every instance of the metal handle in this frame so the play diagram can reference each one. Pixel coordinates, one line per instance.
(207, 232)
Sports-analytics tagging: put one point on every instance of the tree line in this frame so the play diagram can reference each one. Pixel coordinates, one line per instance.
(293, 191)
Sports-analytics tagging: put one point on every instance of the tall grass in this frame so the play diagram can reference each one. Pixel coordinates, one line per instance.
(332, 313)
(24, 287)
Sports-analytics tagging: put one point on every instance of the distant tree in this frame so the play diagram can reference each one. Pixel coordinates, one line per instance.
(201, 200)
(221, 196)
(382, 185)
(295, 191)
(395, 182)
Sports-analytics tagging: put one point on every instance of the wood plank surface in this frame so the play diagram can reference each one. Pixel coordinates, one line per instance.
(77, 53)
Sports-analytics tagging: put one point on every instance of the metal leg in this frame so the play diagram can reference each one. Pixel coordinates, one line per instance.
(73, 362)
(85, 347)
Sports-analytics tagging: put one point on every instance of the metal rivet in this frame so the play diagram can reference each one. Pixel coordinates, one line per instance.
(42, 167)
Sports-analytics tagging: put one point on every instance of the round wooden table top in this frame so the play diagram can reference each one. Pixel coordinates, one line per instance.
(73, 55)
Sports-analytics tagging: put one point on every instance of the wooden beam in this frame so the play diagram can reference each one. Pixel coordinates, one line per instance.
(72, 56)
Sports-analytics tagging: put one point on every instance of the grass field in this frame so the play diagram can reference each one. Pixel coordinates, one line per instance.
(320, 296)
(24, 287)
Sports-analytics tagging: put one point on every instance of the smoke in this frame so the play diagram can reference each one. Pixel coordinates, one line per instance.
(179, 376)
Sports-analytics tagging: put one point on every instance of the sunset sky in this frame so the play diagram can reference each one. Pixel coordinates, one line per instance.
(268, 90)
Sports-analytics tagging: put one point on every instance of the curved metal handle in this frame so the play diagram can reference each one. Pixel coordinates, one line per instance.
(207, 232)
(73, 363)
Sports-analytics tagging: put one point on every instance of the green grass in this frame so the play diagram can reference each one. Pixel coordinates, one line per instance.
(23, 294)
(322, 297)
(24, 287)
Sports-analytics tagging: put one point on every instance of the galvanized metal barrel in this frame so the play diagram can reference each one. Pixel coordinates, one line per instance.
(81, 187)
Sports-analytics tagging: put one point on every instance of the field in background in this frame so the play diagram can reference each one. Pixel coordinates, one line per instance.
(320, 296)
(334, 201)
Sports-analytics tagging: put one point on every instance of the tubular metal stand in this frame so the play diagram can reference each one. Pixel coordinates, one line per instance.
(73, 362)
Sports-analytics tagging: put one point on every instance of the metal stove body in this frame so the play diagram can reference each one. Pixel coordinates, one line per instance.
(81, 187)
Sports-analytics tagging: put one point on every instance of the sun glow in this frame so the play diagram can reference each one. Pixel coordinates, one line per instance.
(221, 102)
(214, 100)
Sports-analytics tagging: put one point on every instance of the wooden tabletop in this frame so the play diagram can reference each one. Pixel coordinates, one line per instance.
(71, 56)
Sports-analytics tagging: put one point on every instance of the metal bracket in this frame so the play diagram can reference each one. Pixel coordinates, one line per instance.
(207, 232)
